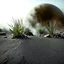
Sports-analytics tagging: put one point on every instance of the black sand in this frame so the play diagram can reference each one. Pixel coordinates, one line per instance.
(34, 50)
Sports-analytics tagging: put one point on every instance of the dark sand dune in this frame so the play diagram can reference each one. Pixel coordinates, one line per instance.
(35, 50)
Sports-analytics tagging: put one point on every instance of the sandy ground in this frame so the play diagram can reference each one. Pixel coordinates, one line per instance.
(35, 50)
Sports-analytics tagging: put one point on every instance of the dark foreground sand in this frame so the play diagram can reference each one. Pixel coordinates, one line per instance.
(36, 50)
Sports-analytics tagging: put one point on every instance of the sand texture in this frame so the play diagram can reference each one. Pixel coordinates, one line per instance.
(36, 50)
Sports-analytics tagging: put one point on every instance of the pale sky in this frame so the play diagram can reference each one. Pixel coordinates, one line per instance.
(20, 8)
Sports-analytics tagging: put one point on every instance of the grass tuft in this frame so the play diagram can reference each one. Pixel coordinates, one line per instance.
(51, 28)
(17, 28)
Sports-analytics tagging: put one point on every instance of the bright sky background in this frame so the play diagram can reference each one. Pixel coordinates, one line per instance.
(20, 8)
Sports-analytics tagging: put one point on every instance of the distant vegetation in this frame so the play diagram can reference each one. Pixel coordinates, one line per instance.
(51, 28)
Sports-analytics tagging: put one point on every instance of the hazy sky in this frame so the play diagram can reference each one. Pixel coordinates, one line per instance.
(20, 8)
